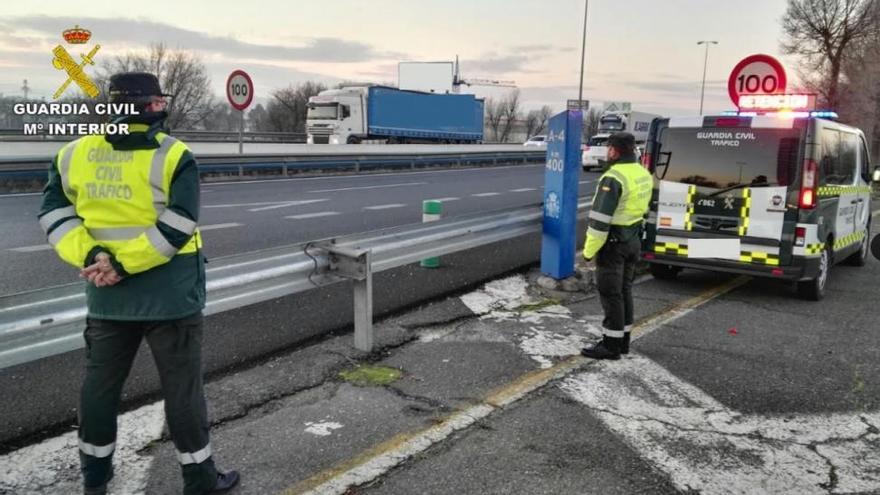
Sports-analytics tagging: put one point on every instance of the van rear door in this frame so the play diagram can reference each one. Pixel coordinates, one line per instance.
(727, 188)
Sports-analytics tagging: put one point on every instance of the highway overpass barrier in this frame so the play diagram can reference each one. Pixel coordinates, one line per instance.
(32, 170)
(46, 322)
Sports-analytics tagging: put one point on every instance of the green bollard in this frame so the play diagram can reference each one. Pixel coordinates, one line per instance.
(431, 211)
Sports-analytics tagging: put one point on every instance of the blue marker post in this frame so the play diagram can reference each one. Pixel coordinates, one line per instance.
(561, 194)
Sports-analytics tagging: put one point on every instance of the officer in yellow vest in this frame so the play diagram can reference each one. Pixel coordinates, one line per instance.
(613, 240)
(124, 209)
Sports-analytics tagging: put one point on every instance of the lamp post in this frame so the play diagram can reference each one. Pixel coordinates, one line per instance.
(583, 54)
(705, 62)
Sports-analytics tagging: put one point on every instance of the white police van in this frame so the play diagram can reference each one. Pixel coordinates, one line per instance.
(781, 195)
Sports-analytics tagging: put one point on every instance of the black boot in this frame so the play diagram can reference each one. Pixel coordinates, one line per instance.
(100, 489)
(225, 481)
(608, 348)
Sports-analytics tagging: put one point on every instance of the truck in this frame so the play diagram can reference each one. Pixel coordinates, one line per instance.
(354, 114)
(636, 123)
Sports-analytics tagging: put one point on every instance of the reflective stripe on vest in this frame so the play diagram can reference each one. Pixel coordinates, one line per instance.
(122, 194)
(636, 196)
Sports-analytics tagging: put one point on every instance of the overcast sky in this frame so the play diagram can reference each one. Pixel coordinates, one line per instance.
(643, 51)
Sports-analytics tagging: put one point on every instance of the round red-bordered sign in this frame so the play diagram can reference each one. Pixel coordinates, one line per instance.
(756, 74)
(239, 89)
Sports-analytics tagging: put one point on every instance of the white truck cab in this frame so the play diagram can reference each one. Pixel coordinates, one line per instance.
(337, 116)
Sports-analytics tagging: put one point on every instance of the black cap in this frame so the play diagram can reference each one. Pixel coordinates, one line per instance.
(134, 85)
(623, 142)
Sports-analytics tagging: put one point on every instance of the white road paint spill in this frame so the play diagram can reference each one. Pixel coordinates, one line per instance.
(541, 344)
(360, 188)
(385, 207)
(485, 194)
(319, 214)
(219, 226)
(53, 465)
(322, 429)
(506, 293)
(31, 249)
(706, 447)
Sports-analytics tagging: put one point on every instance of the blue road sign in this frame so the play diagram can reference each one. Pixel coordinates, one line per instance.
(561, 194)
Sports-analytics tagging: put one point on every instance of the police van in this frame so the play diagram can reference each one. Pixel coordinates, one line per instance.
(785, 196)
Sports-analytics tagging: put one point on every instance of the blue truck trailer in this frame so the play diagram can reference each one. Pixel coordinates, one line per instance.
(352, 115)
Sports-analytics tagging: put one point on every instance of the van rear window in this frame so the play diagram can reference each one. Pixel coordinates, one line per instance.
(726, 157)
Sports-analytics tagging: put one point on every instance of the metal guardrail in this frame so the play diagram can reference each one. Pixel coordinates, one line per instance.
(283, 164)
(50, 321)
(191, 135)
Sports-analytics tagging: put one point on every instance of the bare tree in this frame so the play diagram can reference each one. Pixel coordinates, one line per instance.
(544, 115)
(532, 122)
(287, 110)
(494, 115)
(821, 32)
(510, 114)
(591, 123)
(181, 73)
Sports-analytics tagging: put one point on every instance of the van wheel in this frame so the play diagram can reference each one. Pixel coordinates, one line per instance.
(860, 258)
(814, 290)
(664, 272)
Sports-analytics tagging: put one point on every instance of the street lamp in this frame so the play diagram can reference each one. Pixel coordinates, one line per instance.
(705, 62)
(583, 54)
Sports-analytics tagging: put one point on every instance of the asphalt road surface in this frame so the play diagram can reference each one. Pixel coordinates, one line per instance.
(241, 217)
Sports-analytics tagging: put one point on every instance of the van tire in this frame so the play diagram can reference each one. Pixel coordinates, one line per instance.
(860, 257)
(664, 272)
(814, 290)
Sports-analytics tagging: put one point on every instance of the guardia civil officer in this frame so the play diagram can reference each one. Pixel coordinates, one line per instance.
(124, 209)
(613, 241)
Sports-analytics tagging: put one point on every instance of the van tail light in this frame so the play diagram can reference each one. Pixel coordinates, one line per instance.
(808, 185)
(646, 161)
(800, 236)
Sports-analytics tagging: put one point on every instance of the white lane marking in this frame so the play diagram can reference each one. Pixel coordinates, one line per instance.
(53, 465)
(524, 189)
(361, 188)
(288, 204)
(19, 195)
(31, 249)
(486, 194)
(708, 448)
(586, 182)
(385, 207)
(322, 429)
(313, 215)
(264, 203)
(371, 175)
(444, 200)
(218, 226)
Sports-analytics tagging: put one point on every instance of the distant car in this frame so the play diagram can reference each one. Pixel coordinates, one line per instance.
(539, 141)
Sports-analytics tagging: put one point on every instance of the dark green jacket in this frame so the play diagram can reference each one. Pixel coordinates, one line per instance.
(170, 291)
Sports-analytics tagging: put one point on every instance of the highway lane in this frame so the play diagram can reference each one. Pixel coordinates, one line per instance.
(246, 216)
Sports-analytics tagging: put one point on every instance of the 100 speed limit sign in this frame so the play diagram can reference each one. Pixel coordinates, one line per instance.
(239, 89)
(756, 75)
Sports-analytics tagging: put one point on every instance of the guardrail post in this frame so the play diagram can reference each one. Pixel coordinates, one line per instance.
(355, 264)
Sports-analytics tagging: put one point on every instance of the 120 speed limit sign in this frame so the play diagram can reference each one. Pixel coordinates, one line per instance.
(756, 75)
(239, 90)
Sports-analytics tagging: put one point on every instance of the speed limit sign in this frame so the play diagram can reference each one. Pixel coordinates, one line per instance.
(756, 75)
(239, 89)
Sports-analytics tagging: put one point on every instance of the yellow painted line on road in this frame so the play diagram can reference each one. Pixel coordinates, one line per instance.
(377, 460)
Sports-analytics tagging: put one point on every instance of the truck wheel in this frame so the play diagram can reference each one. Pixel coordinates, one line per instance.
(664, 272)
(814, 290)
(860, 258)
(353, 140)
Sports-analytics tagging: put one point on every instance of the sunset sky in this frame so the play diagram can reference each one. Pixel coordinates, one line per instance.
(643, 51)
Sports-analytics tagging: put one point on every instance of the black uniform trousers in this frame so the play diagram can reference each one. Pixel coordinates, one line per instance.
(615, 270)
(176, 345)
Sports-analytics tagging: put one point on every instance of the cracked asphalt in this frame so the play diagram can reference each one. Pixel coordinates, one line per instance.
(752, 391)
